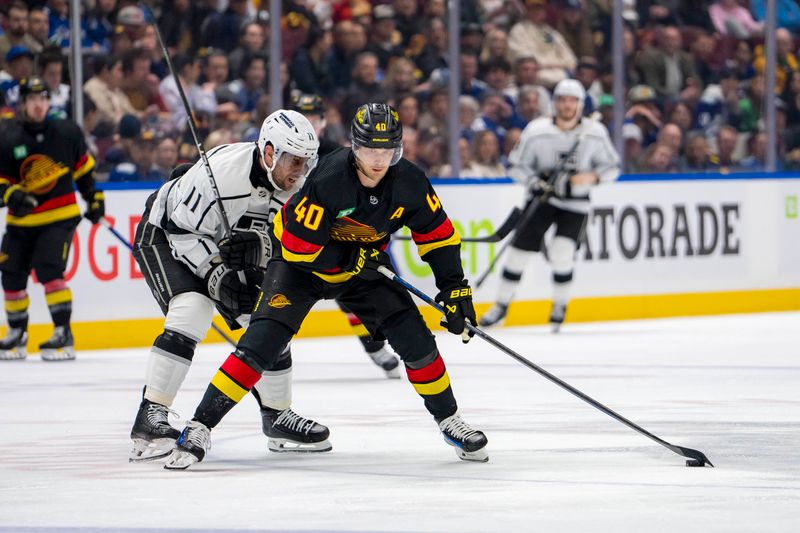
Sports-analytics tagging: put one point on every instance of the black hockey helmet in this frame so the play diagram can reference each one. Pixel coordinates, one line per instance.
(377, 126)
(32, 85)
(307, 104)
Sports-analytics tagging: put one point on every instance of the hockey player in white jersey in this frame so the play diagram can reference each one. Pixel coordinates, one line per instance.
(562, 158)
(191, 267)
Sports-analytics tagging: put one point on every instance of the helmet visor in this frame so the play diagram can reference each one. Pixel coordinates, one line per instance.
(290, 169)
(377, 157)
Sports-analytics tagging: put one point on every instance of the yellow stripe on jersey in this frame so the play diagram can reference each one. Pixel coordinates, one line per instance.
(434, 387)
(287, 254)
(58, 297)
(45, 217)
(453, 240)
(228, 387)
(87, 166)
(360, 330)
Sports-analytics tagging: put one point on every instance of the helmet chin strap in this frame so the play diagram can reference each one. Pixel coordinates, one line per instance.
(269, 169)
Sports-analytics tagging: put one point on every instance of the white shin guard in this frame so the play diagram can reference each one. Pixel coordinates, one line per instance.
(562, 260)
(164, 377)
(516, 260)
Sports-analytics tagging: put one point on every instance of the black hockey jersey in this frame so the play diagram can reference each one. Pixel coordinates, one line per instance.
(45, 158)
(320, 227)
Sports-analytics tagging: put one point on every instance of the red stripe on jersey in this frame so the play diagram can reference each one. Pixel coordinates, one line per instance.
(427, 373)
(297, 245)
(81, 161)
(55, 203)
(12, 296)
(239, 371)
(443, 231)
(55, 285)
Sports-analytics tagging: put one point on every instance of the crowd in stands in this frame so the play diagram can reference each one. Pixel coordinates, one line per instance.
(694, 74)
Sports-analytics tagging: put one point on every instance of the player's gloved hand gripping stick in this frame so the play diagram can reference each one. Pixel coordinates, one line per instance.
(696, 458)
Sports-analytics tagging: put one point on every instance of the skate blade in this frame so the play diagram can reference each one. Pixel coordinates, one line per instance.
(291, 446)
(63, 354)
(150, 450)
(13, 355)
(180, 460)
(480, 456)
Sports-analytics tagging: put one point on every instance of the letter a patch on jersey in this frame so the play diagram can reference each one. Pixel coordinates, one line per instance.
(397, 213)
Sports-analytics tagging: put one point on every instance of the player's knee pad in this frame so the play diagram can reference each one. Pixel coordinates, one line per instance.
(408, 335)
(175, 344)
(562, 254)
(264, 344)
(190, 315)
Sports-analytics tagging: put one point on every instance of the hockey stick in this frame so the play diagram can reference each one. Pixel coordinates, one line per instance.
(193, 128)
(105, 222)
(696, 458)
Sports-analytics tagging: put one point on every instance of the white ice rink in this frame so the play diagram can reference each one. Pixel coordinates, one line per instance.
(728, 386)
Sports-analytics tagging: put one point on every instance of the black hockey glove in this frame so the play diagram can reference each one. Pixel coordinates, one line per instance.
(18, 200)
(243, 250)
(457, 303)
(225, 287)
(95, 206)
(366, 261)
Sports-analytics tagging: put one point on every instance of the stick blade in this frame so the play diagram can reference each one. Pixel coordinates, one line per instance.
(696, 457)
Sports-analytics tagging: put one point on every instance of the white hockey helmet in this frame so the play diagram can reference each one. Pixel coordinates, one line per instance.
(570, 87)
(288, 132)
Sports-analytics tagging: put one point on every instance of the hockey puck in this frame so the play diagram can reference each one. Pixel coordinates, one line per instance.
(695, 463)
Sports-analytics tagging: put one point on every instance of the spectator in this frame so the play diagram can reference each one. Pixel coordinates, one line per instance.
(575, 28)
(105, 88)
(51, 67)
(681, 114)
(697, 154)
(38, 28)
(752, 104)
(788, 13)
(434, 55)
(526, 73)
(165, 158)
(702, 52)
(727, 137)
(586, 74)
(605, 104)
(720, 103)
(486, 155)
(730, 18)
(188, 70)
(658, 159)
(786, 62)
(58, 22)
(98, 24)
(431, 151)
(221, 30)
(670, 70)
(632, 138)
(511, 140)
(742, 62)
(410, 144)
(528, 107)
(180, 23)
(435, 116)
(643, 111)
(495, 46)
(135, 73)
(349, 39)
(498, 77)
(757, 160)
(468, 110)
(630, 49)
(671, 135)
(384, 40)
(251, 42)
(495, 113)
(399, 79)
(791, 96)
(249, 88)
(467, 166)
(408, 110)
(215, 74)
(19, 65)
(16, 31)
(308, 68)
(533, 36)
(138, 162)
(364, 87)
(407, 22)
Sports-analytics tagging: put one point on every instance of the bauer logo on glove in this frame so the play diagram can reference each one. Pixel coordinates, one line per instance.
(457, 304)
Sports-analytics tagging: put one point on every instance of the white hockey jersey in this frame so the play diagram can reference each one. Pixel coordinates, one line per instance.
(543, 145)
(186, 208)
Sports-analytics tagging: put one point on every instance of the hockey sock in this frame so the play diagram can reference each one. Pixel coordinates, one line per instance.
(167, 366)
(561, 286)
(370, 345)
(59, 301)
(430, 380)
(230, 384)
(17, 303)
(512, 274)
(274, 390)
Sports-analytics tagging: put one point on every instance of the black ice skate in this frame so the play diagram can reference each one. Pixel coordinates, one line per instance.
(495, 316)
(14, 346)
(290, 432)
(152, 435)
(557, 316)
(387, 361)
(191, 446)
(59, 347)
(470, 444)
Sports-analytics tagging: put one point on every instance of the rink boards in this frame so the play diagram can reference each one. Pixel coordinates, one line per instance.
(652, 248)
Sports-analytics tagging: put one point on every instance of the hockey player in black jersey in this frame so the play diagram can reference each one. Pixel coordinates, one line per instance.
(41, 161)
(310, 106)
(332, 236)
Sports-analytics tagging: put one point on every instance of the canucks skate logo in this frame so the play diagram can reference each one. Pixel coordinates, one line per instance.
(279, 301)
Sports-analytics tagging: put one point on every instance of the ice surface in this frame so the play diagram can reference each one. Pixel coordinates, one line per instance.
(727, 386)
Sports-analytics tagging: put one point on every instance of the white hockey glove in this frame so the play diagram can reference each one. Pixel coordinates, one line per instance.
(245, 249)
